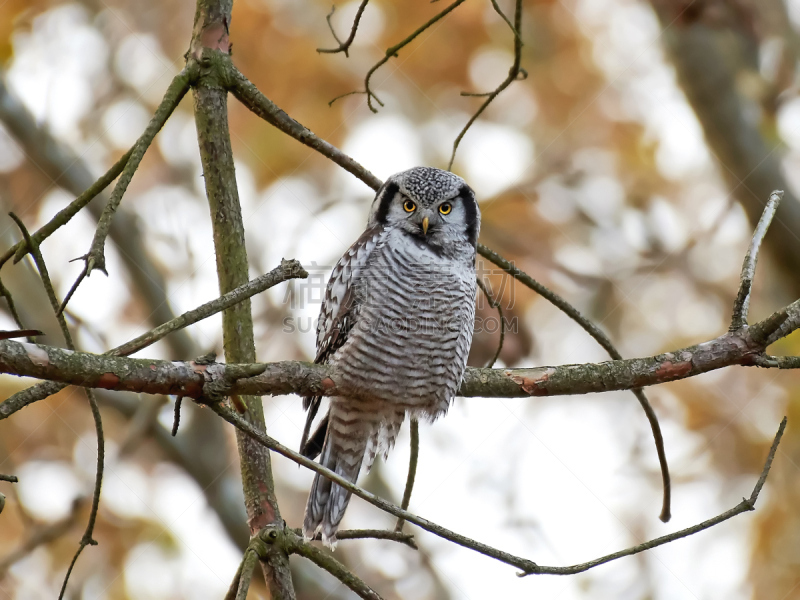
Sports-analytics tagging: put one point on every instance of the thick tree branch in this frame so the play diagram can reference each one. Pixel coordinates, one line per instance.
(287, 270)
(192, 380)
(210, 48)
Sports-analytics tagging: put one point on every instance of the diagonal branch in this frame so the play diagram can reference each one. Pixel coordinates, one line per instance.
(295, 544)
(528, 567)
(20, 249)
(95, 258)
(602, 339)
(249, 95)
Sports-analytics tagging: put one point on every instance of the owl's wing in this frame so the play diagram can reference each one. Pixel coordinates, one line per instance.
(337, 316)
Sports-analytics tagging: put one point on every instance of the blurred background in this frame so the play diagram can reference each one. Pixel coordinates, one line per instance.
(626, 172)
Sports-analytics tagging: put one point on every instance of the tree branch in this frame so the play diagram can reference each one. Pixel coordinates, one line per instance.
(528, 567)
(742, 303)
(249, 95)
(295, 544)
(287, 270)
(344, 46)
(95, 258)
(192, 380)
(393, 52)
(87, 539)
(65, 168)
(514, 73)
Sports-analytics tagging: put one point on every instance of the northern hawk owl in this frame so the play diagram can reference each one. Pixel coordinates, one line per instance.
(396, 324)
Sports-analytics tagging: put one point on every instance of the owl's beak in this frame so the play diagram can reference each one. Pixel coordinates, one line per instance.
(425, 223)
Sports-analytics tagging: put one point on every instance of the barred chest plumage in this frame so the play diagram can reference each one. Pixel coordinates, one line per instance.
(413, 330)
(396, 324)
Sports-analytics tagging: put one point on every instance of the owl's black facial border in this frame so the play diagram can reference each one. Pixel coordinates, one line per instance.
(471, 210)
(385, 197)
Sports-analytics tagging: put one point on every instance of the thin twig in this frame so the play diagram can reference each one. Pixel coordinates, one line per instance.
(393, 52)
(505, 18)
(494, 303)
(5, 293)
(295, 544)
(514, 73)
(344, 46)
(9, 478)
(87, 539)
(742, 304)
(605, 342)
(374, 534)
(527, 566)
(20, 249)
(95, 258)
(412, 472)
(237, 577)
(288, 269)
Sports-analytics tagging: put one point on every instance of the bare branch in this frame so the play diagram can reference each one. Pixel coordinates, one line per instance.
(95, 258)
(344, 46)
(295, 544)
(9, 478)
(244, 574)
(742, 303)
(412, 471)
(505, 18)
(747, 504)
(393, 52)
(258, 103)
(287, 270)
(19, 250)
(528, 567)
(5, 293)
(602, 339)
(496, 305)
(87, 539)
(514, 73)
(193, 380)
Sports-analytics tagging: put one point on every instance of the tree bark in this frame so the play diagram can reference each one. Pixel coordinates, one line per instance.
(210, 37)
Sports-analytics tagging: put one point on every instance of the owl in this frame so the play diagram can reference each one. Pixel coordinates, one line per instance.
(396, 324)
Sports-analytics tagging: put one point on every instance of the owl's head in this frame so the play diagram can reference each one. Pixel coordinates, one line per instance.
(434, 206)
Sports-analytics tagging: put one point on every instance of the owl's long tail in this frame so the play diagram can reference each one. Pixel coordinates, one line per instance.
(355, 433)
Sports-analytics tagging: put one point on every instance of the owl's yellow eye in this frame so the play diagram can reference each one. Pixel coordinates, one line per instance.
(409, 206)
(445, 208)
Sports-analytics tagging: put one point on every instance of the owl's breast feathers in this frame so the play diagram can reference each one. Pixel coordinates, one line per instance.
(413, 317)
